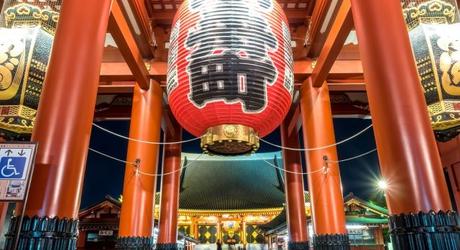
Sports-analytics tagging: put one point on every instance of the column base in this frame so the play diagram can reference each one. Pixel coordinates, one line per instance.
(143, 243)
(43, 233)
(430, 230)
(298, 245)
(166, 246)
(331, 242)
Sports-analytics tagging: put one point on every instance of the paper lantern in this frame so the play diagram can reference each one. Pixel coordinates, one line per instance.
(230, 77)
(435, 40)
(25, 47)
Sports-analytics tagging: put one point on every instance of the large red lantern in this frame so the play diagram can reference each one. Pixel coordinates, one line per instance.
(230, 77)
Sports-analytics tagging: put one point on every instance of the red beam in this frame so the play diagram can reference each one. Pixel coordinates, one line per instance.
(119, 28)
(119, 72)
(316, 21)
(124, 113)
(340, 29)
(127, 87)
(341, 69)
(115, 89)
(167, 16)
(139, 8)
(346, 86)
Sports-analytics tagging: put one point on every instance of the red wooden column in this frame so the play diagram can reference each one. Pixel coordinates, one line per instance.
(408, 155)
(295, 198)
(136, 218)
(450, 159)
(169, 205)
(3, 213)
(325, 187)
(63, 125)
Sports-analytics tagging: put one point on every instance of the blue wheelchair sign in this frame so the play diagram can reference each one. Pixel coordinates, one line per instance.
(12, 167)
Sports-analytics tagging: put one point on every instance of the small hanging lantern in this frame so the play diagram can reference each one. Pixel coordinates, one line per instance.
(435, 40)
(230, 77)
(25, 46)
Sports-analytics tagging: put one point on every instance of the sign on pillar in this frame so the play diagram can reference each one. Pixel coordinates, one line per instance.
(16, 162)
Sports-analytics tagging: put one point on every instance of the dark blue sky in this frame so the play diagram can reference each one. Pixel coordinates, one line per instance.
(105, 176)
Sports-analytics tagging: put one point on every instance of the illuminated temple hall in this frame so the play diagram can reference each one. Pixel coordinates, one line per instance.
(230, 124)
(214, 205)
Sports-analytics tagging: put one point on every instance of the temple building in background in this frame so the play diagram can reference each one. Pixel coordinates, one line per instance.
(237, 211)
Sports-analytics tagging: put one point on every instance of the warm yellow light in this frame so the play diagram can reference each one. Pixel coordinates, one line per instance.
(382, 185)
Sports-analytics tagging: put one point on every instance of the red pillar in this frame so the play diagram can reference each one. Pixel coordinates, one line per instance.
(295, 198)
(3, 212)
(81, 242)
(408, 156)
(136, 218)
(169, 205)
(63, 123)
(450, 159)
(325, 188)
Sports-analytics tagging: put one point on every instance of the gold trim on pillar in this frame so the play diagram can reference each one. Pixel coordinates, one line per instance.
(230, 139)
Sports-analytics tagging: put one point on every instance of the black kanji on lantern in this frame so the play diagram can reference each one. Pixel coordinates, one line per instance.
(229, 55)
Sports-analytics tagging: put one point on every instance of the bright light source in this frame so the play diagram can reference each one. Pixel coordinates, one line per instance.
(382, 185)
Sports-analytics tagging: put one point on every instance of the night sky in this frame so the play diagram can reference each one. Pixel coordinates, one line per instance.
(105, 176)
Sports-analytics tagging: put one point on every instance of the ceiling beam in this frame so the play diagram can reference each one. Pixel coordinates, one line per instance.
(346, 86)
(341, 69)
(140, 9)
(124, 113)
(120, 71)
(340, 29)
(167, 16)
(119, 28)
(127, 87)
(316, 21)
(109, 89)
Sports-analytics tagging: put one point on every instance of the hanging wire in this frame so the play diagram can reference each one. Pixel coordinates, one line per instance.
(172, 172)
(318, 148)
(354, 157)
(111, 157)
(142, 141)
(136, 164)
(323, 169)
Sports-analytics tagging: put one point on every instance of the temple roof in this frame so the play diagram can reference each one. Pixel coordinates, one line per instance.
(369, 214)
(231, 183)
(368, 205)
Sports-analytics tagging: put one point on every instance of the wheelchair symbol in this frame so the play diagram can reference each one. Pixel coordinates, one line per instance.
(12, 167)
(9, 170)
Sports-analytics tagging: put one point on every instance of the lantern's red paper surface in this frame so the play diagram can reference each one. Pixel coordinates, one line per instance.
(230, 62)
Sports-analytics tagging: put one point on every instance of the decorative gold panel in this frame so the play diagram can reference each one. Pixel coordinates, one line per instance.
(435, 40)
(25, 46)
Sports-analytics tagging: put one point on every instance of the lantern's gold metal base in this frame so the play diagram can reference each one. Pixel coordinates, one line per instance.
(230, 139)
